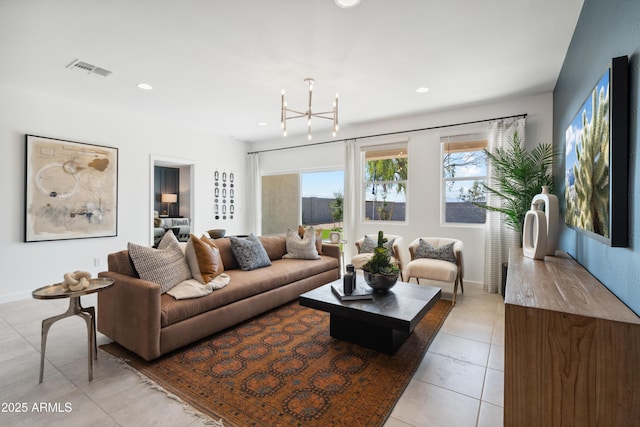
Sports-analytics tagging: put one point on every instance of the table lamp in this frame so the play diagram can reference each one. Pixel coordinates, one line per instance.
(169, 199)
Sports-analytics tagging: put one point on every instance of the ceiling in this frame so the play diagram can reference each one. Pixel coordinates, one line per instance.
(220, 66)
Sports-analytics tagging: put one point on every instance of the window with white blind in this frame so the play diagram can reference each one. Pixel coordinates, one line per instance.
(464, 171)
(385, 182)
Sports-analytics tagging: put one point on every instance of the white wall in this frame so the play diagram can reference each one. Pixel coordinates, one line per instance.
(27, 266)
(424, 165)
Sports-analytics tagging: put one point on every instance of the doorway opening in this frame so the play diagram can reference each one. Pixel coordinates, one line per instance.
(172, 197)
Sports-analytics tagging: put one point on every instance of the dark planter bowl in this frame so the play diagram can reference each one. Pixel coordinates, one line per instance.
(380, 282)
(217, 233)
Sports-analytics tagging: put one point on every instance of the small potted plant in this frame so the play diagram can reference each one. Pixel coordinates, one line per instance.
(379, 272)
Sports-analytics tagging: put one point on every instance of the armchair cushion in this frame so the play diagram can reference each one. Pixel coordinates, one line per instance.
(369, 244)
(444, 252)
(433, 269)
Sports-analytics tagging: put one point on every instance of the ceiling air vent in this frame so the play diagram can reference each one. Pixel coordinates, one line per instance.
(88, 68)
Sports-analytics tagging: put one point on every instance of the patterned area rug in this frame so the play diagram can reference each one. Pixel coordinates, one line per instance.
(283, 369)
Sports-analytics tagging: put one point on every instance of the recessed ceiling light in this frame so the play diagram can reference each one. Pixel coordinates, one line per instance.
(145, 86)
(422, 90)
(262, 123)
(347, 3)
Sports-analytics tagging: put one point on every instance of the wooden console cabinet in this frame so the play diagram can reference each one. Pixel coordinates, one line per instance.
(572, 348)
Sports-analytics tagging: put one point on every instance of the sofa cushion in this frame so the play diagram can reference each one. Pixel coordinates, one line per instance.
(226, 254)
(203, 259)
(275, 245)
(249, 252)
(444, 252)
(301, 248)
(165, 266)
(244, 284)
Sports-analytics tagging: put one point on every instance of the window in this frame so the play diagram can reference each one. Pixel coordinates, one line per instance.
(464, 170)
(322, 198)
(385, 183)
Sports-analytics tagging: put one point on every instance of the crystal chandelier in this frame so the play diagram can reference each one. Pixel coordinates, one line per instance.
(329, 115)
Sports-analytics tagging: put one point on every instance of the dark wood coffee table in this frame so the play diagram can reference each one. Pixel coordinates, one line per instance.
(383, 323)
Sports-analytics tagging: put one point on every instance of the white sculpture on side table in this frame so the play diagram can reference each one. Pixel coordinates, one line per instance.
(540, 229)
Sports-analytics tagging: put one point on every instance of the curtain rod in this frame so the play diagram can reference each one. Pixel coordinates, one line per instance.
(387, 134)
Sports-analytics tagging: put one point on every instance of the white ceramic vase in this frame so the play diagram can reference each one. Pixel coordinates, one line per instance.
(551, 212)
(534, 234)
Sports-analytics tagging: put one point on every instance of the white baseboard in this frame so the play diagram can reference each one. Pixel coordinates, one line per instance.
(14, 297)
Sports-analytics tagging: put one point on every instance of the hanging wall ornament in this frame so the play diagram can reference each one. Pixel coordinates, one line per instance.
(216, 193)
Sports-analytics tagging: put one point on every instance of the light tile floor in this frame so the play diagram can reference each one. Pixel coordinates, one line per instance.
(459, 383)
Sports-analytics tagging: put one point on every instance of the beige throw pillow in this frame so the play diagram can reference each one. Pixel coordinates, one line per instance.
(165, 266)
(301, 231)
(304, 248)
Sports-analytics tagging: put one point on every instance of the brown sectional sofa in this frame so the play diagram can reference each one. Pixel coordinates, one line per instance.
(136, 315)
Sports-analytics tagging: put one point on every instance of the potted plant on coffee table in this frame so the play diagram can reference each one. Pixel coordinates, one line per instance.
(379, 272)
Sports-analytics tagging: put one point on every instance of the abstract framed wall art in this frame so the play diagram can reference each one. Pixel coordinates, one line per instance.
(596, 166)
(71, 190)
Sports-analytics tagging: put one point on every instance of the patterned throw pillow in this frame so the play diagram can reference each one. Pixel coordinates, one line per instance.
(165, 266)
(203, 259)
(249, 252)
(444, 252)
(304, 248)
(368, 245)
(301, 231)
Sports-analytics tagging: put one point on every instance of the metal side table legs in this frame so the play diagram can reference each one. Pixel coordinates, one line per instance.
(75, 309)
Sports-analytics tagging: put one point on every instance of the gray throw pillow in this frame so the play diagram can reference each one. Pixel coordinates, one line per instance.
(249, 252)
(166, 266)
(444, 252)
(368, 245)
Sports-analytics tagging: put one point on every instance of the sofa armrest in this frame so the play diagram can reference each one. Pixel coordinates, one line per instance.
(331, 250)
(129, 313)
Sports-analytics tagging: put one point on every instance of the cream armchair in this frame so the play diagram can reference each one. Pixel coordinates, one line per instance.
(434, 268)
(396, 256)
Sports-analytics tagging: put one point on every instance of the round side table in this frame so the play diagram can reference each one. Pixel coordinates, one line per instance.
(75, 309)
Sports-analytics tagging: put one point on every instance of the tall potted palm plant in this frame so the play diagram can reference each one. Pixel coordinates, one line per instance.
(520, 175)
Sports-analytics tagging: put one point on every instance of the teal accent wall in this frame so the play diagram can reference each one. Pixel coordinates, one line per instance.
(605, 29)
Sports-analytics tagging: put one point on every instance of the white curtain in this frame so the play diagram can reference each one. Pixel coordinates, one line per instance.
(350, 195)
(255, 214)
(498, 237)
